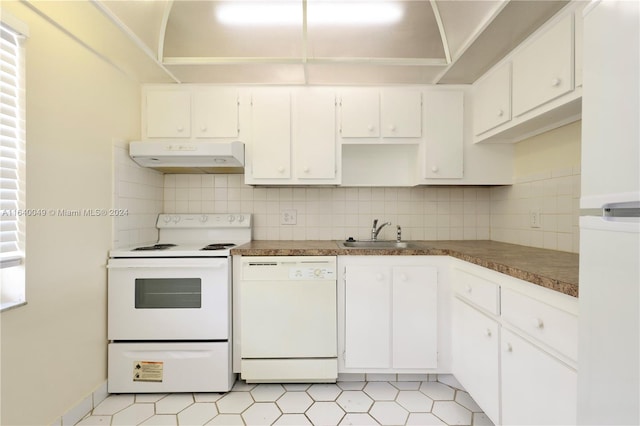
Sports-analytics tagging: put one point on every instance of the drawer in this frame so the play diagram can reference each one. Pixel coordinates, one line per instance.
(479, 291)
(546, 323)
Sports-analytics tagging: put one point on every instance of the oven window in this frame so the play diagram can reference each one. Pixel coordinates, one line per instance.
(168, 293)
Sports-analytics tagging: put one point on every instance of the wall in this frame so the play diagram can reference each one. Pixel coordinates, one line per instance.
(327, 213)
(547, 178)
(54, 348)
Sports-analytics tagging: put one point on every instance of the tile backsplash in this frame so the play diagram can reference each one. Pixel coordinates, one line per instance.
(335, 213)
(555, 194)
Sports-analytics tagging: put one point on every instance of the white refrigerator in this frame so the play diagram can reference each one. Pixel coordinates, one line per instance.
(609, 300)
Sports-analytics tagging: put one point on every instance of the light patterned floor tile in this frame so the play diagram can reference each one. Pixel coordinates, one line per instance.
(95, 421)
(234, 402)
(149, 397)
(325, 413)
(481, 419)
(437, 391)
(381, 391)
(267, 392)
(354, 401)
(324, 392)
(406, 385)
(389, 413)
(174, 403)
(241, 385)
(227, 420)
(449, 379)
(198, 413)
(134, 414)
(423, 419)
(351, 385)
(415, 401)
(452, 413)
(296, 387)
(464, 399)
(292, 420)
(207, 397)
(294, 402)
(261, 413)
(161, 420)
(113, 404)
(358, 419)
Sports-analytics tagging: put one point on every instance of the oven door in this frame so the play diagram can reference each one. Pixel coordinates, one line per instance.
(168, 299)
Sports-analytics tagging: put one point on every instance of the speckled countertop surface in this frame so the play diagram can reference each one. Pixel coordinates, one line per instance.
(552, 269)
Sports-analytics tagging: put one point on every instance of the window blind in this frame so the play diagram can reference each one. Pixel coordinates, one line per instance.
(11, 148)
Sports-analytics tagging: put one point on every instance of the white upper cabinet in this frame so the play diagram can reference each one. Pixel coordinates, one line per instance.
(314, 137)
(444, 134)
(215, 113)
(543, 69)
(191, 112)
(360, 114)
(379, 116)
(168, 114)
(492, 100)
(293, 138)
(270, 136)
(401, 113)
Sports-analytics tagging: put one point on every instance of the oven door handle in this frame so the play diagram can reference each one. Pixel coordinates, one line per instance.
(181, 266)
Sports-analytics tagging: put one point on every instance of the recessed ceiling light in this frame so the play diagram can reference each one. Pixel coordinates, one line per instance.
(318, 13)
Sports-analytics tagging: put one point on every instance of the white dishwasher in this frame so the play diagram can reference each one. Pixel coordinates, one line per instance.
(288, 317)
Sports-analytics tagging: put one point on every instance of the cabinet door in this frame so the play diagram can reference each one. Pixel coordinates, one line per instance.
(537, 389)
(543, 70)
(215, 113)
(492, 100)
(360, 114)
(271, 136)
(367, 316)
(168, 114)
(315, 135)
(414, 318)
(444, 136)
(401, 112)
(476, 357)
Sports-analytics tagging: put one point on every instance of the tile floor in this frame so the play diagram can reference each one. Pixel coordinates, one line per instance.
(344, 403)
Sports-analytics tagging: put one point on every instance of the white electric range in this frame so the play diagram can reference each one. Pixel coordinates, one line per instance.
(169, 306)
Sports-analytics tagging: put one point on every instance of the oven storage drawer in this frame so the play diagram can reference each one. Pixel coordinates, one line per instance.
(169, 367)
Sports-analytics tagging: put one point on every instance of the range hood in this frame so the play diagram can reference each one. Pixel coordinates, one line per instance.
(189, 156)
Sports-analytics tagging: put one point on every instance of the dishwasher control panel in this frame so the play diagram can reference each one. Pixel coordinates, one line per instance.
(316, 272)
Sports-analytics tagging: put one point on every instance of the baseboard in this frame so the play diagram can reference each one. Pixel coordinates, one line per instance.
(84, 407)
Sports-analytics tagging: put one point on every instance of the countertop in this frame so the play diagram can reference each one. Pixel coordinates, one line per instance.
(552, 269)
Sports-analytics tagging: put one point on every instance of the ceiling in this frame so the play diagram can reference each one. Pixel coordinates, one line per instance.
(430, 41)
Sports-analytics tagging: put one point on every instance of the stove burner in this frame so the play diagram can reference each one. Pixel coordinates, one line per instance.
(218, 246)
(155, 247)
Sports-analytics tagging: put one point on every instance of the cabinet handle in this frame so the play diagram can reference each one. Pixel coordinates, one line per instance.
(180, 129)
(392, 127)
(435, 169)
(203, 128)
(306, 170)
(537, 323)
(487, 332)
(469, 289)
(370, 128)
(555, 82)
(508, 347)
(500, 113)
(280, 169)
(403, 277)
(379, 277)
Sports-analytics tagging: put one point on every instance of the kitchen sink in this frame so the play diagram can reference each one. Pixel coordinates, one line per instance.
(377, 244)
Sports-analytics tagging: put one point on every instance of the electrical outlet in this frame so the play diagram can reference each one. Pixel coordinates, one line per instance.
(288, 217)
(534, 218)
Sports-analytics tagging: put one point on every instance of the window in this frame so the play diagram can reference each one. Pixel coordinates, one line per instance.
(12, 162)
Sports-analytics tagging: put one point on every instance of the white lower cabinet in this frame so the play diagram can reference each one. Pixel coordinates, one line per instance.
(476, 357)
(516, 358)
(537, 389)
(389, 316)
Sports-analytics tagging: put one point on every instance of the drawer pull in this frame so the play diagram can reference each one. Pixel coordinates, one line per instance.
(555, 82)
(537, 323)
(403, 277)
(379, 277)
(469, 289)
(508, 347)
(487, 332)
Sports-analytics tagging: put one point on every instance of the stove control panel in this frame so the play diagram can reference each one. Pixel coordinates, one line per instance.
(204, 220)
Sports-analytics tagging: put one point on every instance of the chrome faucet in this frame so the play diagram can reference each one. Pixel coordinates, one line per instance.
(375, 230)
